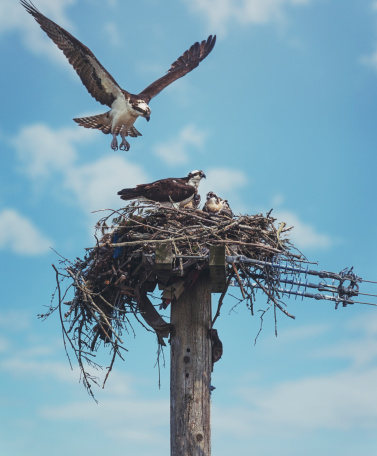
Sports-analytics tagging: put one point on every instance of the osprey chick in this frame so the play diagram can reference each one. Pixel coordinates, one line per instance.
(170, 192)
(125, 107)
(215, 205)
(194, 203)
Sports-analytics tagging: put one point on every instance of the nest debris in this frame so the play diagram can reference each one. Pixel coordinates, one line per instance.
(117, 276)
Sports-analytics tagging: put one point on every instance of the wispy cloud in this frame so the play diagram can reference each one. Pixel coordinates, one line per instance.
(4, 345)
(176, 151)
(221, 14)
(15, 320)
(343, 399)
(360, 352)
(223, 180)
(305, 405)
(112, 33)
(371, 58)
(48, 150)
(131, 417)
(51, 157)
(226, 183)
(303, 235)
(95, 185)
(14, 17)
(19, 235)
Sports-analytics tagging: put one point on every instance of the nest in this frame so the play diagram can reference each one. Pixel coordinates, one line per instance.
(116, 277)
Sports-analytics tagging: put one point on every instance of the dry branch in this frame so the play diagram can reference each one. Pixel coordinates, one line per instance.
(114, 278)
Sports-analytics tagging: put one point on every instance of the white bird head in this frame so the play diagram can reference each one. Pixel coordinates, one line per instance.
(195, 177)
(141, 108)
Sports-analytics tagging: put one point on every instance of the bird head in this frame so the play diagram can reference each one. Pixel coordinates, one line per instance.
(141, 109)
(195, 177)
(211, 196)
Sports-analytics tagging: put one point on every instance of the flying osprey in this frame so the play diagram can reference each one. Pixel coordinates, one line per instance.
(125, 107)
(215, 205)
(171, 192)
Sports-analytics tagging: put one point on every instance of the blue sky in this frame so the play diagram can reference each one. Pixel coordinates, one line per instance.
(280, 115)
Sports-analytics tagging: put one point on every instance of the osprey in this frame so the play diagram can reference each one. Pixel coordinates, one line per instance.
(125, 107)
(215, 205)
(170, 192)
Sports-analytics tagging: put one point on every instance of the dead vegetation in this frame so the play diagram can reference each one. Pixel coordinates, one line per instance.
(116, 277)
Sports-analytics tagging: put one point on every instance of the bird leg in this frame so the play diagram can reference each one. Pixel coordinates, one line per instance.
(124, 145)
(114, 142)
(175, 205)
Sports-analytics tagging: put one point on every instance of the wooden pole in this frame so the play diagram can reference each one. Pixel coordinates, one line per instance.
(190, 371)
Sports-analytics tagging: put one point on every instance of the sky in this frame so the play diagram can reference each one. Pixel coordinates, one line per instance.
(281, 115)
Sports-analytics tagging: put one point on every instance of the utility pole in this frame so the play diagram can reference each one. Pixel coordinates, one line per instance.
(190, 371)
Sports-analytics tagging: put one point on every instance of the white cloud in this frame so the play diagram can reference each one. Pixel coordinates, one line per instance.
(225, 182)
(14, 17)
(339, 400)
(303, 235)
(15, 320)
(24, 367)
(19, 235)
(95, 185)
(42, 150)
(300, 333)
(130, 417)
(360, 352)
(132, 413)
(176, 151)
(112, 33)
(278, 200)
(220, 14)
(222, 180)
(292, 408)
(370, 60)
(4, 345)
(45, 154)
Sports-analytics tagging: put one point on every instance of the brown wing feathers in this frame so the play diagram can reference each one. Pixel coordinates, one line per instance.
(189, 60)
(99, 83)
(193, 56)
(160, 191)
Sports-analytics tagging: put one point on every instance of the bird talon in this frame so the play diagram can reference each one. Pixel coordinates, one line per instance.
(125, 145)
(114, 143)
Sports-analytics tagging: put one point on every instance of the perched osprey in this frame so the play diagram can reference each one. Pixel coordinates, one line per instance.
(216, 205)
(170, 192)
(125, 107)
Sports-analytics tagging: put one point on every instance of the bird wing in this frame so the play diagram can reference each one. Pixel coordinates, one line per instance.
(98, 81)
(164, 189)
(189, 60)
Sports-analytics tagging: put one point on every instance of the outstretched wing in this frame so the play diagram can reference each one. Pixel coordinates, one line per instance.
(183, 65)
(99, 83)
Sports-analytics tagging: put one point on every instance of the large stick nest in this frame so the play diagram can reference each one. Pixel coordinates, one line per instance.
(115, 277)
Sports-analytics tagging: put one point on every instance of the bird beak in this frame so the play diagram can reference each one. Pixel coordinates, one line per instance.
(147, 117)
(205, 177)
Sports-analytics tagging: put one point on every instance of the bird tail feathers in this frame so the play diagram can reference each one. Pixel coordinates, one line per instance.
(129, 193)
(103, 122)
(100, 122)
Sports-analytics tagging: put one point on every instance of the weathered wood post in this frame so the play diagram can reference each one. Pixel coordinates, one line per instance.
(190, 371)
(191, 362)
